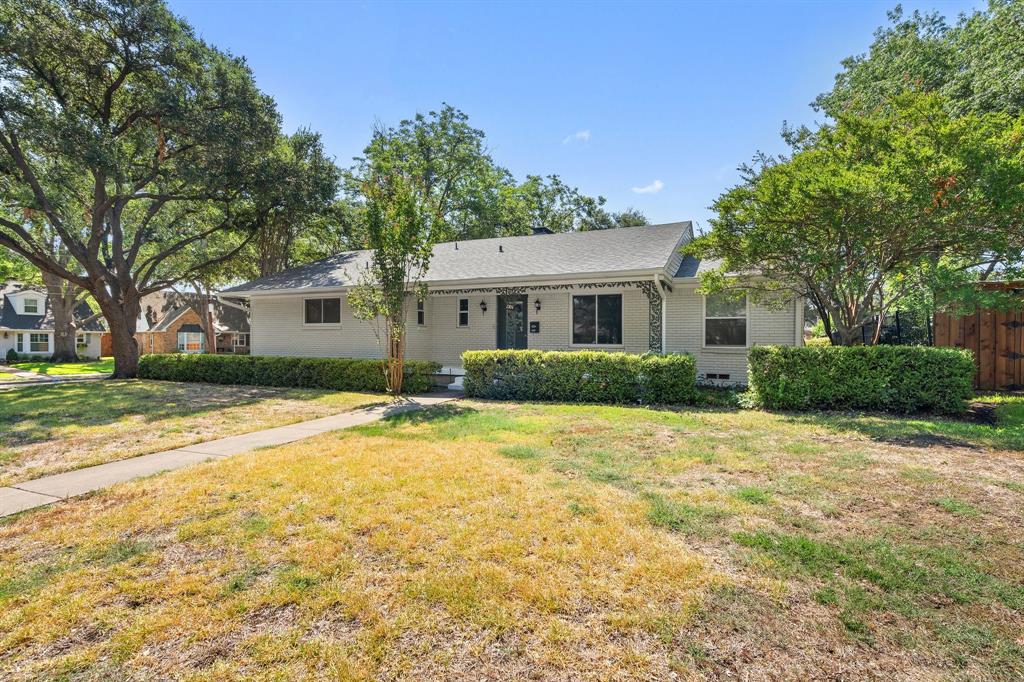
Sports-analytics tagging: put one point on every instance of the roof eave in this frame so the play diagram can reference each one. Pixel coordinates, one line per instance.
(606, 276)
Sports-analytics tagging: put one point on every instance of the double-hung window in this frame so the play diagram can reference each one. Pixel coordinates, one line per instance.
(597, 319)
(241, 339)
(323, 311)
(463, 312)
(39, 343)
(31, 306)
(421, 312)
(725, 320)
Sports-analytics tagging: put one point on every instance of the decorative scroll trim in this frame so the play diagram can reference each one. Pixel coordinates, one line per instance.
(648, 287)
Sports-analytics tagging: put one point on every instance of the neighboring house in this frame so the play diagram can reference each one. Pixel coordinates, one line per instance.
(170, 322)
(26, 323)
(627, 289)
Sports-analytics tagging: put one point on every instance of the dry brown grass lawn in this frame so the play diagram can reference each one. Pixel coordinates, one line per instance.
(49, 429)
(495, 541)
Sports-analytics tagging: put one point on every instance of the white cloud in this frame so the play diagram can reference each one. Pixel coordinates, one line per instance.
(578, 136)
(652, 188)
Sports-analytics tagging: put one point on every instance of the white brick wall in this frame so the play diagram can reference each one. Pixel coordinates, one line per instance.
(685, 333)
(277, 328)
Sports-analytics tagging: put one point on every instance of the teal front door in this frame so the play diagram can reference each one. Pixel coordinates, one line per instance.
(512, 321)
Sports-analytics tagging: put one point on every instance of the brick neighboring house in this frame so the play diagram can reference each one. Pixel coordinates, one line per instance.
(170, 322)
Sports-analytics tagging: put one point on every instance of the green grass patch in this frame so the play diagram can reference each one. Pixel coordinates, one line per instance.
(683, 517)
(907, 578)
(101, 366)
(519, 452)
(956, 507)
(752, 495)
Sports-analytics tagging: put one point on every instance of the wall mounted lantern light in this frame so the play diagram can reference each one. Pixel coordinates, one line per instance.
(483, 306)
(536, 305)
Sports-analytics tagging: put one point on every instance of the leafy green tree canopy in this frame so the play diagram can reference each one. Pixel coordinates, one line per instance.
(865, 211)
(449, 160)
(976, 64)
(139, 145)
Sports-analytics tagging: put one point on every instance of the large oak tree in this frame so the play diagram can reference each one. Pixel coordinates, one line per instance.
(136, 144)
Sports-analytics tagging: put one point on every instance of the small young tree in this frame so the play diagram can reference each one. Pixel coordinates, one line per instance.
(401, 227)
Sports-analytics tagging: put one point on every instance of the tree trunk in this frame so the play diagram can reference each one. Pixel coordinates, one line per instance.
(877, 336)
(206, 317)
(396, 358)
(121, 319)
(63, 296)
(848, 336)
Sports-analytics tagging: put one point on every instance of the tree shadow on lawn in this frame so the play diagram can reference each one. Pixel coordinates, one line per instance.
(917, 430)
(448, 421)
(31, 414)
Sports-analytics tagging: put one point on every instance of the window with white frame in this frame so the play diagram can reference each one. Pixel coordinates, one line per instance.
(81, 340)
(21, 343)
(31, 306)
(322, 311)
(190, 342)
(241, 339)
(39, 343)
(597, 319)
(725, 320)
(421, 312)
(463, 312)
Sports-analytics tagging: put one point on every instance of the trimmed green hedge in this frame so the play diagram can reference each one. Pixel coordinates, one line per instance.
(338, 374)
(889, 378)
(580, 376)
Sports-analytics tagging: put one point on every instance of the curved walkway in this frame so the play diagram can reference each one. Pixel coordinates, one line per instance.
(48, 489)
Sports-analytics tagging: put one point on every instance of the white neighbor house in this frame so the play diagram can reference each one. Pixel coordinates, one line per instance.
(26, 323)
(627, 289)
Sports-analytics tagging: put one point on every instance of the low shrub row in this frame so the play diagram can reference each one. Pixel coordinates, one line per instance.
(580, 376)
(887, 378)
(338, 374)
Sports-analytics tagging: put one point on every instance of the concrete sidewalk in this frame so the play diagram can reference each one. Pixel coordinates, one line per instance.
(43, 491)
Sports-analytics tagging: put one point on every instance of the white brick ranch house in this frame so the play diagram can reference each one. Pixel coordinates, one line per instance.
(627, 289)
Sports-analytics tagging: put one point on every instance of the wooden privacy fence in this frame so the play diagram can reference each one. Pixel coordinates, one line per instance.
(997, 339)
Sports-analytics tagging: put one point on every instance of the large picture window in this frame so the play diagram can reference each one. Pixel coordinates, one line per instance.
(323, 311)
(597, 319)
(725, 320)
(190, 342)
(39, 343)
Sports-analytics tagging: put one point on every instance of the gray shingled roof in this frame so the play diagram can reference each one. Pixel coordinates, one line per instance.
(691, 267)
(567, 254)
(10, 319)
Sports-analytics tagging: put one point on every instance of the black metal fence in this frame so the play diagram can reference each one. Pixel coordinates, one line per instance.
(902, 328)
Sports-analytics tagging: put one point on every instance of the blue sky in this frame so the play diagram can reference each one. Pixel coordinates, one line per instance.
(649, 105)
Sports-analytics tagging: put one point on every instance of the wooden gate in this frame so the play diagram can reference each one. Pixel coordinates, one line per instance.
(997, 339)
